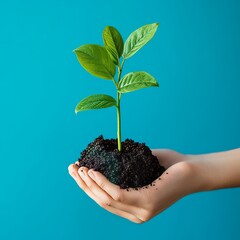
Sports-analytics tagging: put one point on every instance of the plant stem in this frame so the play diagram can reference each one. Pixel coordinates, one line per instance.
(118, 109)
(119, 122)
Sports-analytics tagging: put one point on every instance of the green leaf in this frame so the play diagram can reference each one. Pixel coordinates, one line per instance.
(135, 81)
(138, 39)
(96, 101)
(96, 60)
(113, 42)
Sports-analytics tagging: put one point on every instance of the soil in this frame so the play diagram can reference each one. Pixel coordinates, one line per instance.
(134, 167)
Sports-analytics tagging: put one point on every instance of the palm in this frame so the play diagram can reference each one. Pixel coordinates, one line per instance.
(167, 158)
(170, 187)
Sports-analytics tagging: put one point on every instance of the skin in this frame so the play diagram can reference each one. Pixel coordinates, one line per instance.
(185, 174)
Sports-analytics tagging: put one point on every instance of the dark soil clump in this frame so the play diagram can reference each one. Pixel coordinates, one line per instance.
(133, 167)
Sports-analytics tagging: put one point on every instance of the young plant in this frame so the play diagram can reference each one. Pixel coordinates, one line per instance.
(102, 61)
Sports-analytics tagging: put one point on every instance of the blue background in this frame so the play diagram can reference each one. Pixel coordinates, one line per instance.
(195, 56)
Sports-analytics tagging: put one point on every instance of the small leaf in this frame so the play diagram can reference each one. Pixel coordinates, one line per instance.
(135, 81)
(138, 39)
(96, 101)
(113, 42)
(96, 60)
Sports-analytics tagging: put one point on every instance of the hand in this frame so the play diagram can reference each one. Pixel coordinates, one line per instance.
(141, 205)
(185, 174)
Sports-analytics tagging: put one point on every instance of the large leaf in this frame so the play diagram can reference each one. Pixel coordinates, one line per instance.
(138, 39)
(113, 42)
(135, 81)
(96, 60)
(96, 101)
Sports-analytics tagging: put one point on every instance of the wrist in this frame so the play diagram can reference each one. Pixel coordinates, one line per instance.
(201, 174)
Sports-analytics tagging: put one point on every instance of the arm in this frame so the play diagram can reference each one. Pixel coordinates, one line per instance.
(185, 174)
(221, 170)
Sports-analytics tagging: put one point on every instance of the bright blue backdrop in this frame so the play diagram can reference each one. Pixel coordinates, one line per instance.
(195, 56)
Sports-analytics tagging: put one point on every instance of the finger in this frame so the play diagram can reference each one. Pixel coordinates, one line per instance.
(73, 170)
(104, 185)
(128, 196)
(113, 190)
(105, 196)
(122, 214)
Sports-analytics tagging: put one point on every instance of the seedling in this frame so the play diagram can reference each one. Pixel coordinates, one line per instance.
(102, 61)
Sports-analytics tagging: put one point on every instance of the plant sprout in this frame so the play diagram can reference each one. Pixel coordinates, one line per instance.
(102, 61)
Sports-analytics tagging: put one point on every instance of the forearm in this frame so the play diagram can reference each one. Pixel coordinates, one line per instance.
(217, 170)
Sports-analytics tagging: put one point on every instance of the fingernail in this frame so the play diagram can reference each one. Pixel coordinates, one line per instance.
(81, 172)
(91, 174)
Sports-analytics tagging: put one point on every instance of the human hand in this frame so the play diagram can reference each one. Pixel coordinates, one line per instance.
(141, 205)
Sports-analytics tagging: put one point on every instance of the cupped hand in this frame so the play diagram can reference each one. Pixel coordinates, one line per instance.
(141, 205)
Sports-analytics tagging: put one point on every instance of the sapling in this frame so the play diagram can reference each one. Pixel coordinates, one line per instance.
(128, 164)
(102, 61)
